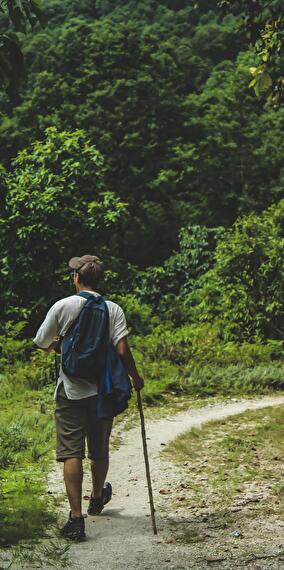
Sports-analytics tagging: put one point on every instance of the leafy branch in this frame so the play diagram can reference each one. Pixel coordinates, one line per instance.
(263, 23)
(22, 15)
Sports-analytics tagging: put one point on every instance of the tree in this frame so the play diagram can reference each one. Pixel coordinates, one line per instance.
(165, 99)
(263, 23)
(57, 206)
(22, 15)
(120, 85)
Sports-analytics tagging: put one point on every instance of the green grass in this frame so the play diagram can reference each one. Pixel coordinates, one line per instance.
(163, 378)
(29, 554)
(26, 444)
(234, 379)
(235, 457)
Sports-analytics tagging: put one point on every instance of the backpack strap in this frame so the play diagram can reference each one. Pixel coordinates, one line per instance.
(98, 299)
(88, 295)
(102, 305)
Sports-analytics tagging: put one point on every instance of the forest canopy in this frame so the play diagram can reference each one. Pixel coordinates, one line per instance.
(135, 125)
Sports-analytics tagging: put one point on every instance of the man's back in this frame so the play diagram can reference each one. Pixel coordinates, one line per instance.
(58, 320)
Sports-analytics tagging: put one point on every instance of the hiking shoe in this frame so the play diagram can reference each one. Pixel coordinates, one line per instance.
(74, 528)
(96, 505)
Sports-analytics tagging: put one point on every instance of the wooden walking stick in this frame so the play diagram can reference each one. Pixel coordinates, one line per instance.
(143, 432)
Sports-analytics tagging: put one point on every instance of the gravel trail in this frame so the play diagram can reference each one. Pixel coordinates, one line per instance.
(121, 537)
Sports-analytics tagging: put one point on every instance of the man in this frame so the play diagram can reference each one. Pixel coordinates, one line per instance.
(76, 398)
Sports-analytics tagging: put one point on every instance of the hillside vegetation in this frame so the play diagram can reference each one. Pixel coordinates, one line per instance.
(134, 136)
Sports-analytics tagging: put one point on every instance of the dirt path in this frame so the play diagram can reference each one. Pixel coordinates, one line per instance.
(121, 537)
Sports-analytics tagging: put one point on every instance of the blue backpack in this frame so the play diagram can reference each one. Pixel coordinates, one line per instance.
(115, 388)
(84, 346)
(87, 353)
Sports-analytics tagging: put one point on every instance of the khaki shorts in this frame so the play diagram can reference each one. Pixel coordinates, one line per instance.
(77, 420)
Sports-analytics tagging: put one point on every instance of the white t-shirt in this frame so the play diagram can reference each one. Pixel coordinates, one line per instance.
(58, 320)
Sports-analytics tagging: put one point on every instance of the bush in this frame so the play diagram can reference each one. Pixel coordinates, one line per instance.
(58, 183)
(42, 370)
(26, 433)
(165, 286)
(139, 316)
(12, 440)
(244, 289)
(203, 345)
(13, 348)
(194, 359)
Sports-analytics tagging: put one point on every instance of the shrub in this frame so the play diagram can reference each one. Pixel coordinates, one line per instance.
(178, 276)
(55, 184)
(42, 370)
(139, 316)
(13, 348)
(244, 290)
(203, 345)
(12, 440)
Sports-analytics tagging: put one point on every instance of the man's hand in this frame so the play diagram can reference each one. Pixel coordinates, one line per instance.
(55, 345)
(138, 383)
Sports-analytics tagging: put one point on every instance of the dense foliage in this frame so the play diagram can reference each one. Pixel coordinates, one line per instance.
(166, 177)
(172, 148)
(56, 198)
(264, 24)
(244, 290)
(161, 89)
(135, 136)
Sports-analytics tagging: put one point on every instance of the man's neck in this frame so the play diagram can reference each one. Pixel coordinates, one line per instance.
(79, 289)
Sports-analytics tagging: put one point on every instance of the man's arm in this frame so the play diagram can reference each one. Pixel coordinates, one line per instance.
(46, 336)
(126, 356)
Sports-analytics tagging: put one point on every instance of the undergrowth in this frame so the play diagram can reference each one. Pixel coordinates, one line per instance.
(196, 360)
(26, 441)
(190, 361)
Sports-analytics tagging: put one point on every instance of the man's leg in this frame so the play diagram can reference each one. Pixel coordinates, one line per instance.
(73, 477)
(70, 447)
(99, 468)
(98, 434)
